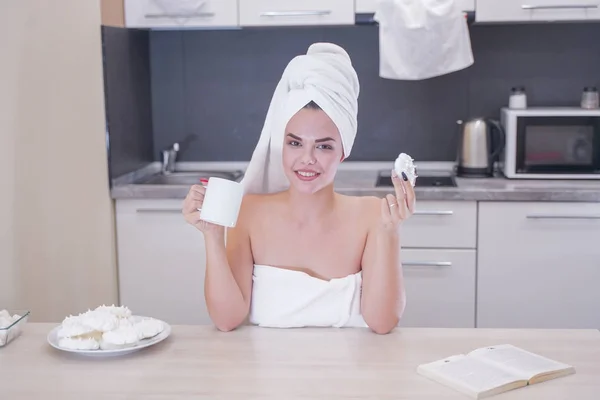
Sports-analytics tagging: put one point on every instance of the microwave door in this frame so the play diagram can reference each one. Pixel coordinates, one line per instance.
(558, 145)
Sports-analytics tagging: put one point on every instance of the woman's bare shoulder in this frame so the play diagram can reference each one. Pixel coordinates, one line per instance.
(254, 205)
(367, 206)
(255, 200)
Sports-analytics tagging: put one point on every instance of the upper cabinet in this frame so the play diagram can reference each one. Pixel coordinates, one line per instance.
(173, 14)
(166, 14)
(537, 10)
(369, 6)
(294, 12)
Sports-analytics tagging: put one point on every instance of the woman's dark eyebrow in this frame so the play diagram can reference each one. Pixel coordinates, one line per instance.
(327, 139)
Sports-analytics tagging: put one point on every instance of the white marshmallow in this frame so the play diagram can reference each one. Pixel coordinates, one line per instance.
(79, 344)
(404, 163)
(148, 328)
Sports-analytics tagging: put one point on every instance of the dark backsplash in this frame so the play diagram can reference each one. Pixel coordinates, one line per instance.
(211, 89)
(127, 90)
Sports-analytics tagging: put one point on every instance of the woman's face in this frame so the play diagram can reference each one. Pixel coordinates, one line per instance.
(312, 150)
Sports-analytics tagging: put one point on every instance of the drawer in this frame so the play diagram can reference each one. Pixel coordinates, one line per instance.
(150, 14)
(440, 288)
(293, 12)
(441, 224)
(536, 10)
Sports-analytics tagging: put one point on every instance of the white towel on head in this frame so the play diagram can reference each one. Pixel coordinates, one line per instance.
(324, 75)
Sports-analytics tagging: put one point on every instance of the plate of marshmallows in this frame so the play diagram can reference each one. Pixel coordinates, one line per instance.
(107, 331)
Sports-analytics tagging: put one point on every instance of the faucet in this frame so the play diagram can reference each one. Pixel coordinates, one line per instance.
(169, 157)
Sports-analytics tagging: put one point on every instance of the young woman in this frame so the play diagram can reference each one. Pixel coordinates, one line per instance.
(306, 255)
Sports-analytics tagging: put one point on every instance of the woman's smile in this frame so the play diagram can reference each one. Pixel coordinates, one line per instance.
(307, 175)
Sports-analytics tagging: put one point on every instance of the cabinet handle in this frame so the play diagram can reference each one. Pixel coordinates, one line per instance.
(158, 210)
(434, 212)
(165, 15)
(294, 13)
(559, 7)
(558, 216)
(427, 264)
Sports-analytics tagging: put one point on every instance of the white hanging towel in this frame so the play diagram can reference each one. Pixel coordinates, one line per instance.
(421, 39)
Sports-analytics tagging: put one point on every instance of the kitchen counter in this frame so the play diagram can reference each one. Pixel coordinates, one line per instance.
(359, 178)
(260, 363)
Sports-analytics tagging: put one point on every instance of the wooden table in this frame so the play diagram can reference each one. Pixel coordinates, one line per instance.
(259, 363)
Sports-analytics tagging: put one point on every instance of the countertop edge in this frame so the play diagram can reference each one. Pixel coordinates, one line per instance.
(358, 179)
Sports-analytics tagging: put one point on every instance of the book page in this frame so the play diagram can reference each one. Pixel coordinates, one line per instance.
(518, 361)
(470, 375)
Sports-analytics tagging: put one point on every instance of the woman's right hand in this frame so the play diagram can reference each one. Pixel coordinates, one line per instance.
(191, 206)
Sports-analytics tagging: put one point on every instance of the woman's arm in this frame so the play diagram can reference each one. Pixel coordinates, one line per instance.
(228, 279)
(383, 296)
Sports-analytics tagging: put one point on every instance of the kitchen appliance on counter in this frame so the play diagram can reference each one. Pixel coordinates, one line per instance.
(551, 143)
(481, 142)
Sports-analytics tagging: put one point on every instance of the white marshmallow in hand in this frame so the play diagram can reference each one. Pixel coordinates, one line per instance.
(404, 163)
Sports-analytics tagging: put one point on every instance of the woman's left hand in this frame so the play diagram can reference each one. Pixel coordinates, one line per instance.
(399, 207)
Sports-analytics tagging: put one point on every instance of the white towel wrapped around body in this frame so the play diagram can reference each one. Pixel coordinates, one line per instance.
(324, 75)
(283, 298)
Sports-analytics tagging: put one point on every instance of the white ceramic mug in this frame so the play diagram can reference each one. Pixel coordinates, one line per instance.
(222, 202)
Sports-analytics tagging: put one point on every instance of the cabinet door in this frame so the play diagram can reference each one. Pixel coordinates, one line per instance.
(468, 5)
(444, 224)
(369, 6)
(294, 12)
(536, 10)
(161, 261)
(440, 288)
(150, 14)
(538, 265)
(366, 6)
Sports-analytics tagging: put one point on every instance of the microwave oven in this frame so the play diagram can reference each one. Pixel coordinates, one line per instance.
(550, 143)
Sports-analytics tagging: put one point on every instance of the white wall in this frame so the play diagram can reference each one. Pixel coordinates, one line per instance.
(57, 251)
(8, 124)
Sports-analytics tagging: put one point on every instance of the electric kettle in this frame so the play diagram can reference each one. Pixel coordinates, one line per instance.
(480, 143)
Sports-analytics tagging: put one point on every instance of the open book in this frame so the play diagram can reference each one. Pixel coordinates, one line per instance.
(490, 370)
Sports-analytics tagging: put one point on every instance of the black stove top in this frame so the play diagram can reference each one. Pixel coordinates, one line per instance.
(422, 181)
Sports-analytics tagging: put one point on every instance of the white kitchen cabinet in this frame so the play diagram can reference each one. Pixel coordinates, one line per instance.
(441, 224)
(538, 265)
(440, 288)
(161, 261)
(294, 12)
(369, 6)
(468, 5)
(151, 14)
(536, 10)
(365, 6)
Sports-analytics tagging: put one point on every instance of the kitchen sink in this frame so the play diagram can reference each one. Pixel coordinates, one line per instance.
(422, 181)
(189, 178)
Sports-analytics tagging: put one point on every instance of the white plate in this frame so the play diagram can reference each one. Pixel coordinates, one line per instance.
(53, 340)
